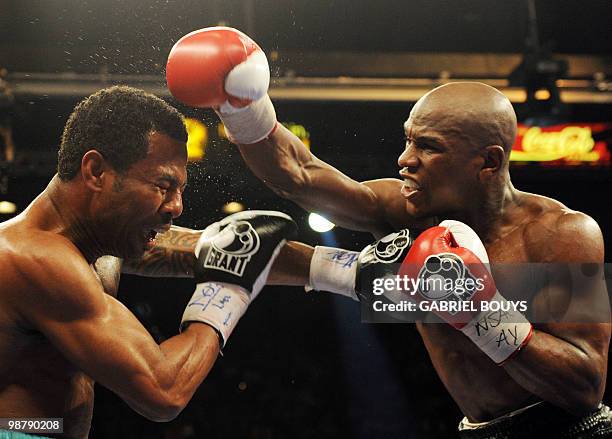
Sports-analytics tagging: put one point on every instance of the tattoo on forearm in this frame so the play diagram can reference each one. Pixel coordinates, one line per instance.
(172, 256)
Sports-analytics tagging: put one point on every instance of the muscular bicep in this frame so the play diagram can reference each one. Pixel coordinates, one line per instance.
(572, 286)
(571, 293)
(572, 302)
(93, 330)
(565, 361)
(109, 344)
(285, 165)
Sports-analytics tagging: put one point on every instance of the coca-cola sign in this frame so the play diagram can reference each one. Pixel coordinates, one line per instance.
(568, 144)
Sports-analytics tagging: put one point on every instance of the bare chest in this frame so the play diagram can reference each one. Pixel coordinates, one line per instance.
(516, 275)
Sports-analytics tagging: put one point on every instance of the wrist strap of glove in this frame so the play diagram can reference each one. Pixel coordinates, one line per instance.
(499, 334)
(217, 304)
(334, 270)
(249, 124)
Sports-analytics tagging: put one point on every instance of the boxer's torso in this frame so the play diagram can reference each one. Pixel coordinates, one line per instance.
(35, 379)
(482, 389)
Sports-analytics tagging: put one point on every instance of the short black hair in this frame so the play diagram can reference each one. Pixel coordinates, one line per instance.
(116, 122)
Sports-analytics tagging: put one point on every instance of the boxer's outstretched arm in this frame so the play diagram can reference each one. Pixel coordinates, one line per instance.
(63, 300)
(566, 363)
(199, 73)
(173, 256)
(284, 164)
(292, 266)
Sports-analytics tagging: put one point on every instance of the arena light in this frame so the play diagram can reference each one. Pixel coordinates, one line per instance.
(197, 138)
(233, 207)
(7, 208)
(542, 95)
(319, 223)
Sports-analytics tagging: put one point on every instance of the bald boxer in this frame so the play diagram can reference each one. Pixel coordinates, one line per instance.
(455, 165)
(121, 175)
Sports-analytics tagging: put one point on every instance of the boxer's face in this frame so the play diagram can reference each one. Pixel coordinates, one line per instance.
(145, 199)
(438, 165)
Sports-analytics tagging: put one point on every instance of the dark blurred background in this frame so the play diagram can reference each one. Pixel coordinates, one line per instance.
(346, 74)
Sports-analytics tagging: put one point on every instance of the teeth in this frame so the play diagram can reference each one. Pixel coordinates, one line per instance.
(410, 184)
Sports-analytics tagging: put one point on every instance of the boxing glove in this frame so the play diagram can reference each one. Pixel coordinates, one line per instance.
(353, 274)
(222, 68)
(453, 254)
(234, 257)
(446, 263)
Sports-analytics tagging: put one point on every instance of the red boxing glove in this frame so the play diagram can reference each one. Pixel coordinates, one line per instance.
(444, 267)
(449, 261)
(199, 63)
(222, 68)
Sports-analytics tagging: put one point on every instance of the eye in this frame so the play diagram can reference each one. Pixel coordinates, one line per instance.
(163, 188)
(429, 148)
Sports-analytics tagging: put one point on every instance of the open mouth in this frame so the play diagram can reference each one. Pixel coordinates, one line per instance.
(151, 234)
(149, 238)
(410, 188)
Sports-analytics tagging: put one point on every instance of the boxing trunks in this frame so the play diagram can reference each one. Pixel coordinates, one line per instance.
(541, 420)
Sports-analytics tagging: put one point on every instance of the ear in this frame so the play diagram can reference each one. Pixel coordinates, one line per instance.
(94, 170)
(493, 162)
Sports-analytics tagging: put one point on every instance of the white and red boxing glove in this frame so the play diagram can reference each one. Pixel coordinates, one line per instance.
(222, 68)
(449, 255)
(452, 252)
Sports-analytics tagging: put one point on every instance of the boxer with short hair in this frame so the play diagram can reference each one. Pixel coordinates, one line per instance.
(455, 165)
(121, 175)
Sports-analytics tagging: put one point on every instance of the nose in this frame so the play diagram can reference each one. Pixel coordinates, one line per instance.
(408, 159)
(173, 204)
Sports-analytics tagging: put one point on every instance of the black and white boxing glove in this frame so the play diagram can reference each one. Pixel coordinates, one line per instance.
(352, 274)
(234, 259)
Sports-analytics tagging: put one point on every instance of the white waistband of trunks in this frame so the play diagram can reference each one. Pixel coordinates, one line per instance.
(467, 425)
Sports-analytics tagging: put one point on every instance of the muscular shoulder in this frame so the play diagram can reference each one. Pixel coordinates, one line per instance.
(559, 234)
(47, 270)
(35, 249)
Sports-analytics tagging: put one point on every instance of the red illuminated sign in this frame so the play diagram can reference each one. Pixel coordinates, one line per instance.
(570, 144)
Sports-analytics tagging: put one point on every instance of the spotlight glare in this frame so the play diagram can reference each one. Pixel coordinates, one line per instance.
(319, 224)
(233, 207)
(7, 208)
